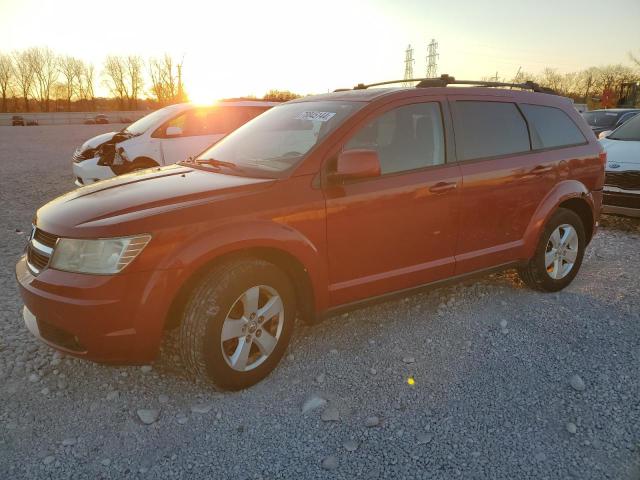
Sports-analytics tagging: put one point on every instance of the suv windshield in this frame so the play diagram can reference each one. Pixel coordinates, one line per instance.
(628, 131)
(140, 126)
(279, 138)
(601, 119)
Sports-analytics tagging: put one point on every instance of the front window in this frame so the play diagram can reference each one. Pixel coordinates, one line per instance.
(628, 131)
(278, 139)
(601, 119)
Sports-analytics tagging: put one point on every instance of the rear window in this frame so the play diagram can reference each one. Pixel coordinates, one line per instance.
(489, 129)
(601, 118)
(551, 127)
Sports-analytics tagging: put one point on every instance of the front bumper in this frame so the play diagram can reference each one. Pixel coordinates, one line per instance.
(108, 318)
(618, 201)
(88, 171)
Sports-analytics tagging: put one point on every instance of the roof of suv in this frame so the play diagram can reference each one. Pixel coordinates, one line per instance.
(435, 86)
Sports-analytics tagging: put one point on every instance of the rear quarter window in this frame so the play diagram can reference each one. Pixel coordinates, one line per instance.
(551, 127)
(489, 129)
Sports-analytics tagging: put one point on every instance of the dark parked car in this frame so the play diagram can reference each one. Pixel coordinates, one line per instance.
(605, 120)
(32, 123)
(17, 120)
(315, 206)
(102, 119)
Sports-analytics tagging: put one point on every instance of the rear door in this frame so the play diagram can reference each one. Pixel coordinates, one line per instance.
(398, 230)
(502, 182)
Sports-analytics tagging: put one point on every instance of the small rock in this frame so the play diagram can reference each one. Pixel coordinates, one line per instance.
(577, 383)
(33, 378)
(541, 456)
(146, 368)
(350, 445)
(571, 428)
(68, 442)
(291, 357)
(163, 398)
(148, 415)
(106, 462)
(320, 378)
(312, 403)
(330, 414)
(202, 408)
(424, 438)
(503, 324)
(113, 395)
(371, 421)
(181, 418)
(372, 341)
(218, 415)
(45, 391)
(48, 460)
(333, 351)
(373, 371)
(330, 462)
(409, 360)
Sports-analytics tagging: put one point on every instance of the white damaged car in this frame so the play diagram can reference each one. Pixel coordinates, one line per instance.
(622, 178)
(163, 137)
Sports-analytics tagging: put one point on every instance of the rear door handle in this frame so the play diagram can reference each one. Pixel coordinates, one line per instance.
(443, 187)
(540, 169)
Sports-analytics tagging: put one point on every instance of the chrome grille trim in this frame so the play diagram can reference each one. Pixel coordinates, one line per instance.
(39, 250)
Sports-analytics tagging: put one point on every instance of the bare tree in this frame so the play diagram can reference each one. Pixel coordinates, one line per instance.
(634, 59)
(23, 67)
(84, 74)
(6, 78)
(164, 85)
(115, 72)
(46, 74)
(70, 71)
(135, 79)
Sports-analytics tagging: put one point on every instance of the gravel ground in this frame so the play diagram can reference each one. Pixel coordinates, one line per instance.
(485, 379)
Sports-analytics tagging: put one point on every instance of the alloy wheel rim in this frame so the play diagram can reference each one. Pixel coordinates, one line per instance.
(252, 328)
(561, 251)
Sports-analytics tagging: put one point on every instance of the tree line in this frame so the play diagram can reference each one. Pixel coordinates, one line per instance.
(584, 86)
(39, 79)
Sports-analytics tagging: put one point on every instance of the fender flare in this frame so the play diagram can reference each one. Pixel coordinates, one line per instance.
(563, 191)
(205, 247)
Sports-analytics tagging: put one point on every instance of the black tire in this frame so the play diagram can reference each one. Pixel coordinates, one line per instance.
(206, 310)
(534, 274)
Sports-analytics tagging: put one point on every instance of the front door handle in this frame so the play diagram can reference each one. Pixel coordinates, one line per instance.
(443, 187)
(540, 169)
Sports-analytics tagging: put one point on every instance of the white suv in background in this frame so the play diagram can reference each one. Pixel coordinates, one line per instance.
(165, 136)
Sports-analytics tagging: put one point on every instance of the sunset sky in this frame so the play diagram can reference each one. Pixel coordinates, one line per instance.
(234, 48)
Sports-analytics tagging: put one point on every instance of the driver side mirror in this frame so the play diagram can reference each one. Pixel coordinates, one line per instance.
(356, 164)
(173, 132)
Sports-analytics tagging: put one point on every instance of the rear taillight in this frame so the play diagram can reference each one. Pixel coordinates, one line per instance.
(603, 158)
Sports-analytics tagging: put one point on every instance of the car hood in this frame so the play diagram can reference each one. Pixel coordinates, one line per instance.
(95, 209)
(97, 141)
(624, 153)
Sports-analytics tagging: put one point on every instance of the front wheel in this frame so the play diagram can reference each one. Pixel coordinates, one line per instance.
(237, 323)
(559, 253)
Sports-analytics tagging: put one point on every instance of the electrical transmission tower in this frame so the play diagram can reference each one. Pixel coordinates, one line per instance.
(408, 65)
(432, 59)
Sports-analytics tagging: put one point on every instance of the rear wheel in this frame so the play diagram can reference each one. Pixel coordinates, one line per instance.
(559, 253)
(237, 323)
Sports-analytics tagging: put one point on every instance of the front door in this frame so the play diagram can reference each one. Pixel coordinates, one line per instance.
(398, 230)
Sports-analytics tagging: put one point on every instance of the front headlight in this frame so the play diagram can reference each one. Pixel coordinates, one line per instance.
(105, 256)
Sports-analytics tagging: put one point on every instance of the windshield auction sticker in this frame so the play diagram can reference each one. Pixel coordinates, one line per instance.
(317, 116)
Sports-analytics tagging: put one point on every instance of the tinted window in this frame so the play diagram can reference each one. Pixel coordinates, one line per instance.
(405, 138)
(601, 118)
(489, 129)
(551, 127)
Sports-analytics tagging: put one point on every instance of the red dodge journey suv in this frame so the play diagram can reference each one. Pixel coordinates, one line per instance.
(318, 204)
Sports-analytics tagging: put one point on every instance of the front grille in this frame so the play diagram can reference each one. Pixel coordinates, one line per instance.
(79, 155)
(625, 180)
(622, 200)
(39, 250)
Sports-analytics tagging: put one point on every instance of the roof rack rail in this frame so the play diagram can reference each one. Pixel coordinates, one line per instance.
(445, 80)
